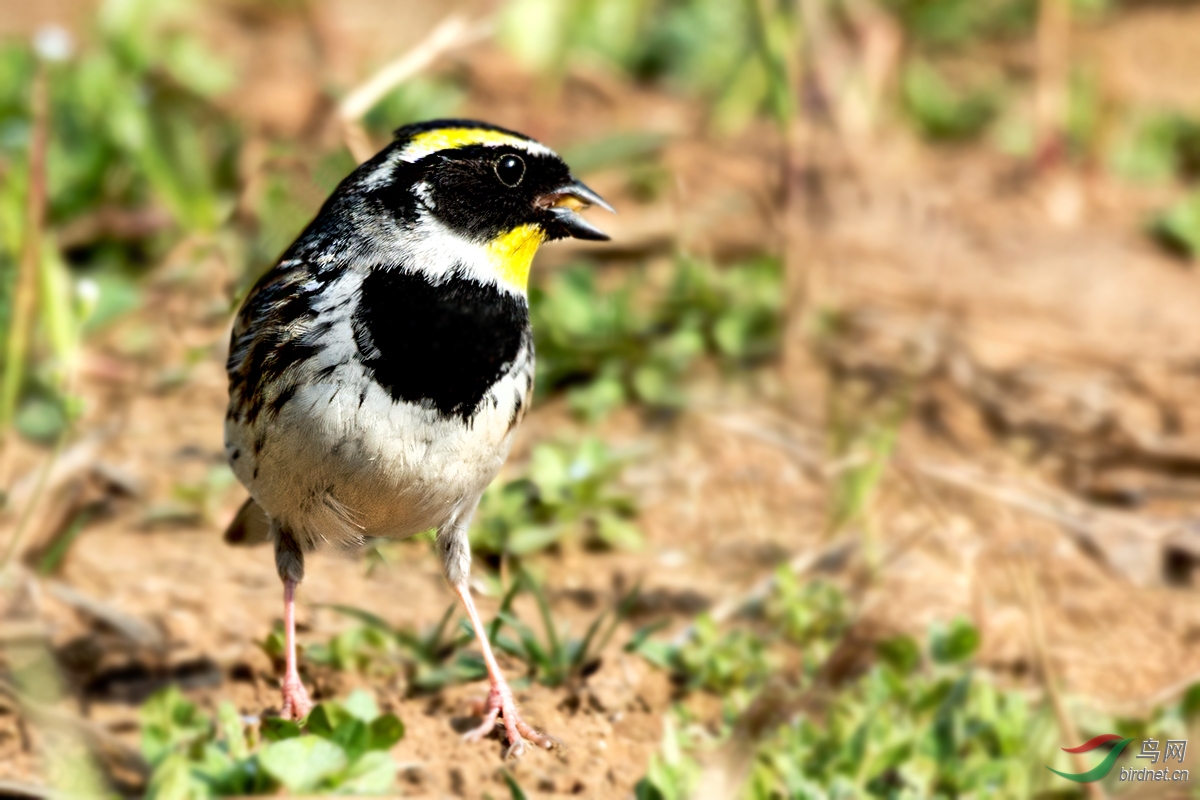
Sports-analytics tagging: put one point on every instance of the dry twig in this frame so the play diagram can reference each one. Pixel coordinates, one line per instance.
(452, 33)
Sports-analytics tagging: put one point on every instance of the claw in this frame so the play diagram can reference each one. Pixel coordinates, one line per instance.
(500, 705)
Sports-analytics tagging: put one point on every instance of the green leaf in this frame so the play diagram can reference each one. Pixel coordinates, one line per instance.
(304, 763)
(353, 737)
(597, 399)
(277, 729)
(365, 617)
(230, 723)
(194, 66)
(901, 653)
(173, 780)
(955, 643)
(361, 705)
(534, 31)
(514, 788)
(168, 721)
(213, 764)
(274, 644)
(41, 420)
(548, 469)
(1178, 228)
(374, 773)
(652, 385)
(1190, 704)
(385, 731)
(320, 723)
(660, 654)
(618, 532)
(533, 538)
(941, 112)
(645, 790)
(57, 551)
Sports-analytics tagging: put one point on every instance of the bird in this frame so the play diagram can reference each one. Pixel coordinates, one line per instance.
(378, 371)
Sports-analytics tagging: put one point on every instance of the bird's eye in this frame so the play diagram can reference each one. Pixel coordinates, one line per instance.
(510, 169)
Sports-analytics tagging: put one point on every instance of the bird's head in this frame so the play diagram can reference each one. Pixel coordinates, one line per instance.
(480, 196)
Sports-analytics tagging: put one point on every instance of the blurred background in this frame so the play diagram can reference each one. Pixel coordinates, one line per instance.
(865, 458)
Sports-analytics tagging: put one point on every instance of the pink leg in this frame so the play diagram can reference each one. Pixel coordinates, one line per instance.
(500, 701)
(296, 704)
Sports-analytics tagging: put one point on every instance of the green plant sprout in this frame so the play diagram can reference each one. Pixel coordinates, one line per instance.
(567, 491)
(672, 773)
(129, 127)
(919, 723)
(557, 659)
(904, 732)
(941, 112)
(1158, 147)
(1178, 227)
(737, 663)
(342, 748)
(607, 349)
(437, 657)
(709, 48)
(863, 430)
(430, 659)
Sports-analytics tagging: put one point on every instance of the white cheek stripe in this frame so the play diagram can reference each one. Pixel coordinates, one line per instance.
(433, 249)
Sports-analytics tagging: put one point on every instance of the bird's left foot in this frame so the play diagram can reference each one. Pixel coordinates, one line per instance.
(500, 703)
(296, 704)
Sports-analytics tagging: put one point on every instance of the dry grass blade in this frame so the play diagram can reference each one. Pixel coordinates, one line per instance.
(805, 456)
(21, 789)
(1081, 521)
(25, 297)
(1053, 73)
(23, 631)
(71, 463)
(1027, 588)
(32, 493)
(122, 762)
(136, 630)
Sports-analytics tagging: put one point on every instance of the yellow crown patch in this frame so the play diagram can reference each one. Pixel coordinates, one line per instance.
(429, 142)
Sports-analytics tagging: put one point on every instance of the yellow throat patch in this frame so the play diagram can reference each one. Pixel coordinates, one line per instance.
(424, 144)
(512, 254)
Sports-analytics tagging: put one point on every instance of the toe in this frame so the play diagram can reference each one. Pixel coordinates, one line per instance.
(296, 704)
(515, 750)
(489, 722)
(519, 731)
(501, 706)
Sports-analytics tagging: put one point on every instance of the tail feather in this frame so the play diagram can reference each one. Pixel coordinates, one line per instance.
(250, 525)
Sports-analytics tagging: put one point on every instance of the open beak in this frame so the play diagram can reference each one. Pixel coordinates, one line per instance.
(566, 201)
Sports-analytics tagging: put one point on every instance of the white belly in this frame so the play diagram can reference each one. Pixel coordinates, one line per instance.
(342, 460)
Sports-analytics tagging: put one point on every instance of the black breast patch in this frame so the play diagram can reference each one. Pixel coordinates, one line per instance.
(445, 345)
